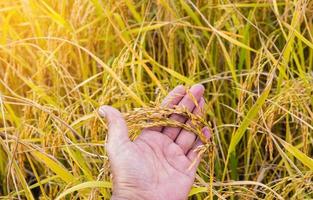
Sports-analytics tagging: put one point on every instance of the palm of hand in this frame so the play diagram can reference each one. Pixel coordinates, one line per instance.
(153, 162)
(161, 163)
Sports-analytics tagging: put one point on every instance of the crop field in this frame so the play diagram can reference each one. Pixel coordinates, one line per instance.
(62, 59)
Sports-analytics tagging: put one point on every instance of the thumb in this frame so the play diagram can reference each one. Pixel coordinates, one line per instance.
(117, 128)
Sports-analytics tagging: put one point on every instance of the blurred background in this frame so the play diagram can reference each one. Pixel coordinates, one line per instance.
(61, 60)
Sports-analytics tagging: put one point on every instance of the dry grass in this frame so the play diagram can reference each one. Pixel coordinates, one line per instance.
(61, 60)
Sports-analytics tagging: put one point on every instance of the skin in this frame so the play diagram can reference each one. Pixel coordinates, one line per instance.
(162, 162)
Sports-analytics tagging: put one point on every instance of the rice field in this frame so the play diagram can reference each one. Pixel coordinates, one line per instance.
(61, 60)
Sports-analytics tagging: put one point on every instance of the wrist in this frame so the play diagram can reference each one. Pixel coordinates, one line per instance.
(128, 195)
(125, 197)
(115, 197)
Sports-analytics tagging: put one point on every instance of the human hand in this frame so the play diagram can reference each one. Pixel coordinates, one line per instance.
(156, 165)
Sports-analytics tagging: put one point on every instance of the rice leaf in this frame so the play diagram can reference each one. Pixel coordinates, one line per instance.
(248, 119)
(55, 166)
(307, 161)
(85, 185)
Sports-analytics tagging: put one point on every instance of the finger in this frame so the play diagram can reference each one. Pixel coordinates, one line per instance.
(186, 139)
(193, 155)
(188, 102)
(176, 157)
(172, 99)
(117, 128)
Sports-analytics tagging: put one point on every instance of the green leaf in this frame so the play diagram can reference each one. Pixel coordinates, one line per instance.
(89, 184)
(56, 167)
(307, 161)
(248, 119)
(197, 190)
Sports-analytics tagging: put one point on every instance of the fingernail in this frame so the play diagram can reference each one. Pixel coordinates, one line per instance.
(199, 85)
(179, 87)
(102, 111)
(206, 132)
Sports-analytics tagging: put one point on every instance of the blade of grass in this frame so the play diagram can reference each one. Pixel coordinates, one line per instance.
(248, 119)
(307, 161)
(85, 185)
(55, 16)
(55, 166)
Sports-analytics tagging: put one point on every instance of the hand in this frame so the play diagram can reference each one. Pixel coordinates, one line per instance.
(156, 165)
